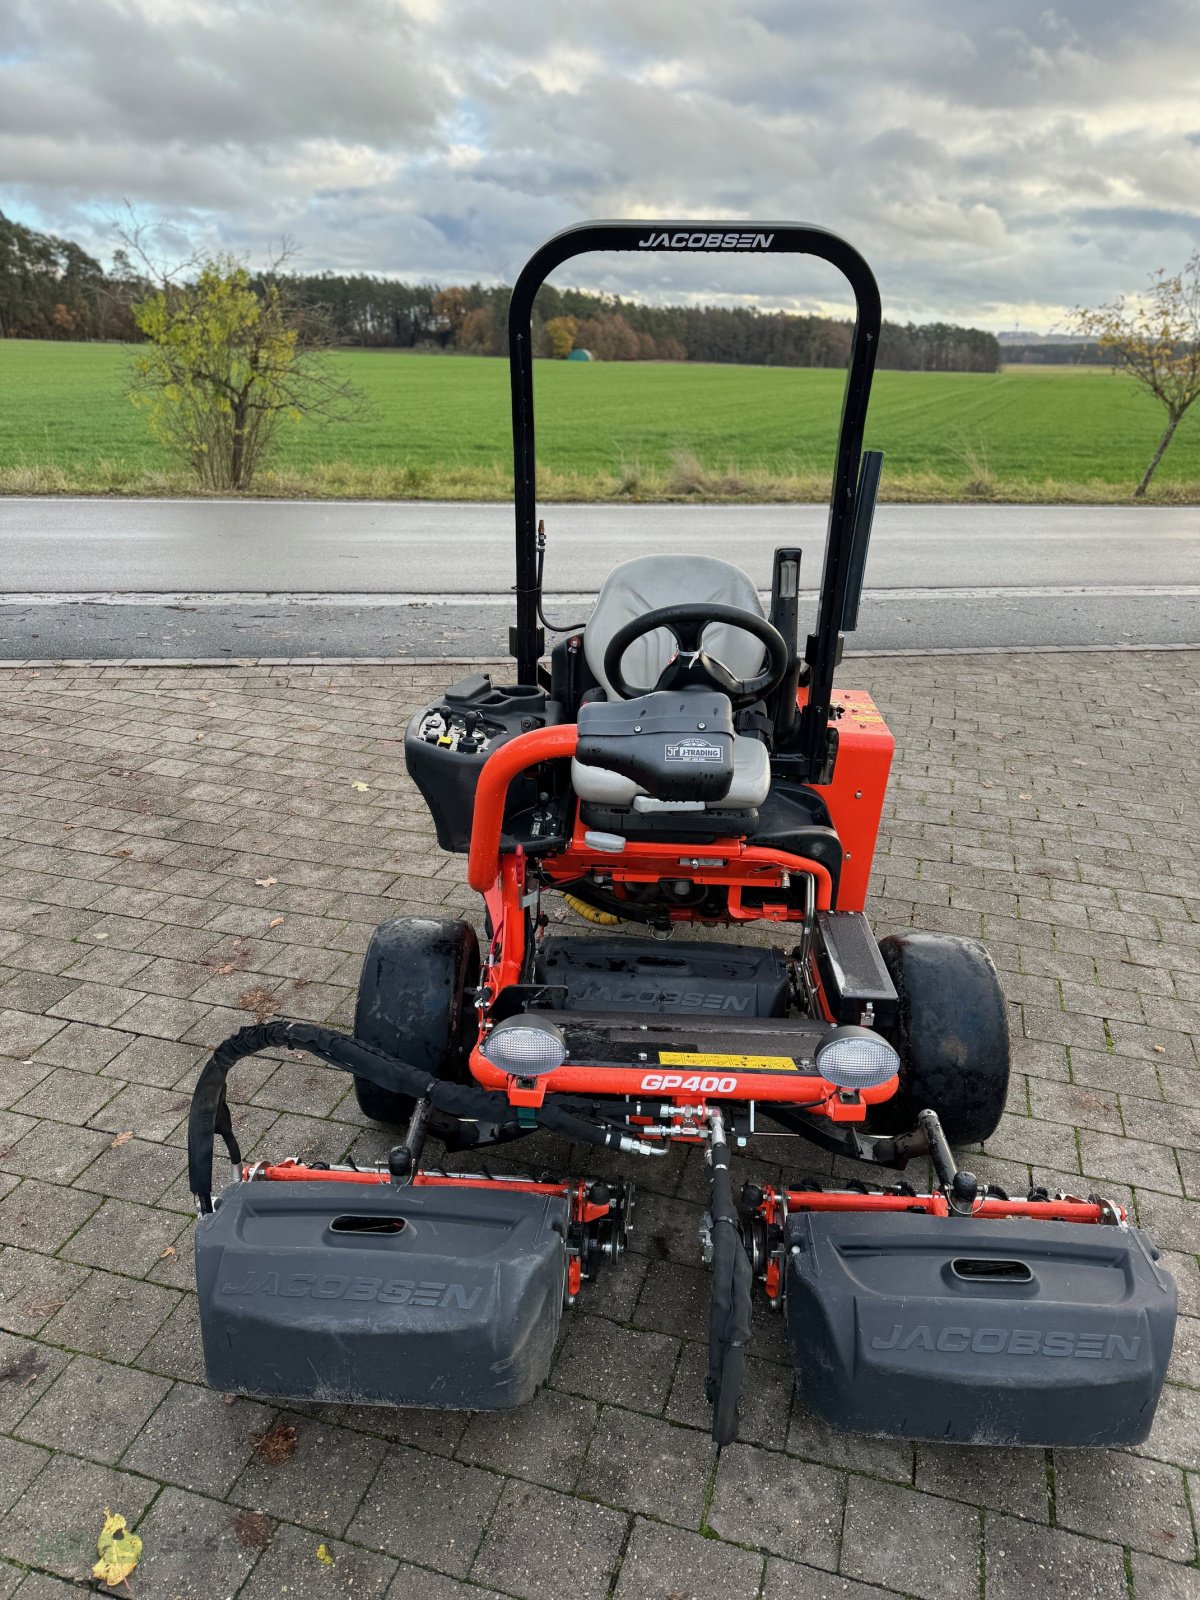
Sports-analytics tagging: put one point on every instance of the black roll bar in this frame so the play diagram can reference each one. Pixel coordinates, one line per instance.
(526, 640)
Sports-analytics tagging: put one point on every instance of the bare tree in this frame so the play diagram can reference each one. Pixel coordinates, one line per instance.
(229, 359)
(1156, 339)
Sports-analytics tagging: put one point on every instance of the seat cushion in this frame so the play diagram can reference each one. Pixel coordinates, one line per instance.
(649, 582)
(749, 788)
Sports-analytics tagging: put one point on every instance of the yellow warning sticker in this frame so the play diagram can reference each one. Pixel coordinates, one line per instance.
(694, 1058)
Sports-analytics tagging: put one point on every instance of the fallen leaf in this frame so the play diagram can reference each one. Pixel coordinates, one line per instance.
(1159, 1049)
(301, 983)
(169, 1251)
(274, 1446)
(261, 1001)
(24, 1369)
(121, 852)
(119, 1550)
(122, 1138)
(199, 736)
(45, 1308)
(276, 922)
(323, 1555)
(265, 883)
(361, 787)
(69, 827)
(252, 1530)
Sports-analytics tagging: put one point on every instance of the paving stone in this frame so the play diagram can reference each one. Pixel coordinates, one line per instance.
(190, 1549)
(573, 1537)
(1011, 1480)
(808, 1436)
(789, 1508)
(139, 1108)
(159, 1062)
(674, 1300)
(545, 1441)
(82, 1046)
(1154, 1579)
(197, 1440)
(663, 1563)
(100, 1003)
(21, 1032)
(19, 1466)
(163, 1016)
(787, 1581)
(67, 1096)
(320, 1484)
(123, 1237)
(54, 1151)
(176, 1350)
(27, 1369)
(1114, 1495)
(111, 1316)
(427, 1487)
(642, 1464)
(1150, 1166)
(136, 1170)
(933, 1543)
(33, 1287)
(94, 1409)
(17, 1078)
(290, 1566)
(38, 1586)
(1176, 1432)
(418, 1583)
(42, 1216)
(1022, 1559)
(55, 1522)
(604, 1361)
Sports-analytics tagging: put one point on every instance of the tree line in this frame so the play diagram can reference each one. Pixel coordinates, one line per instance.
(52, 289)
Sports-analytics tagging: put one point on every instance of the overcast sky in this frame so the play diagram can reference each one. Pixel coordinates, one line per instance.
(997, 161)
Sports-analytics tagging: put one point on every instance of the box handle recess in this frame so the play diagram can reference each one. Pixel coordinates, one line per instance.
(988, 1269)
(367, 1224)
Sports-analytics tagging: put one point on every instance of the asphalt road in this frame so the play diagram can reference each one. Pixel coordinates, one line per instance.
(177, 578)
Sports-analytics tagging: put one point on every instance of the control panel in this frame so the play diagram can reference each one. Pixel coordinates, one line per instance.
(450, 728)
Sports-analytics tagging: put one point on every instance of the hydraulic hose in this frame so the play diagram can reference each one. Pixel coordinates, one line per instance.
(209, 1114)
(731, 1304)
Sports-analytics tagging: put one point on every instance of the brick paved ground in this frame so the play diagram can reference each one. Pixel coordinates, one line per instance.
(1046, 801)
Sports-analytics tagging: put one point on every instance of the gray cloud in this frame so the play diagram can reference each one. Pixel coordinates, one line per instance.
(995, 163)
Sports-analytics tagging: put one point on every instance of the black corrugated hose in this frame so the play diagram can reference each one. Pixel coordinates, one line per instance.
(209, 1113)
(730, 1306)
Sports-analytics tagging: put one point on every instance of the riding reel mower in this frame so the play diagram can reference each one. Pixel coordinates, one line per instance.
(684, 760)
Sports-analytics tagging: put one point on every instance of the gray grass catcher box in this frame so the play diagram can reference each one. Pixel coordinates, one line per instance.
(980, 1332)
(372, 1295)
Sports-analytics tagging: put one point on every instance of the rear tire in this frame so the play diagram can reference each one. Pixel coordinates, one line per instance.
(951, 1032)
(416, 1002)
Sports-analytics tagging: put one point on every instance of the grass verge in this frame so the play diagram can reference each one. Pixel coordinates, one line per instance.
(685, 481)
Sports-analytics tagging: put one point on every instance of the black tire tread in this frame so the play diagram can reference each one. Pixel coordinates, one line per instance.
(411, 1003)
(951, 1033)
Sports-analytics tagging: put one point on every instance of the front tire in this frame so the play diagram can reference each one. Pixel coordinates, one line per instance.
(951, 1033)
(416, 1002)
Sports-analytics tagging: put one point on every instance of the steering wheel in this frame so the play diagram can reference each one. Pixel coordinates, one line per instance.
(691, 664)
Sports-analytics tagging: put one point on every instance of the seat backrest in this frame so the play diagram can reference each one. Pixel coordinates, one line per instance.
(648, 582)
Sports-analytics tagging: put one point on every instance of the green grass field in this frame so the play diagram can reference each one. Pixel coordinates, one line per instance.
(437, 427)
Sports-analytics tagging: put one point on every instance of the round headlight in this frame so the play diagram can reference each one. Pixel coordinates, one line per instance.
(856, 1058)
(524, 1047)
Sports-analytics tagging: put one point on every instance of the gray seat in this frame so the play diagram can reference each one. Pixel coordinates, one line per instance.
(631, 590)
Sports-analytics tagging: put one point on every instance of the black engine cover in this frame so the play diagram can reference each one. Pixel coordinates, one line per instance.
(639, 975)
(977, 1332)
(366, 1294)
